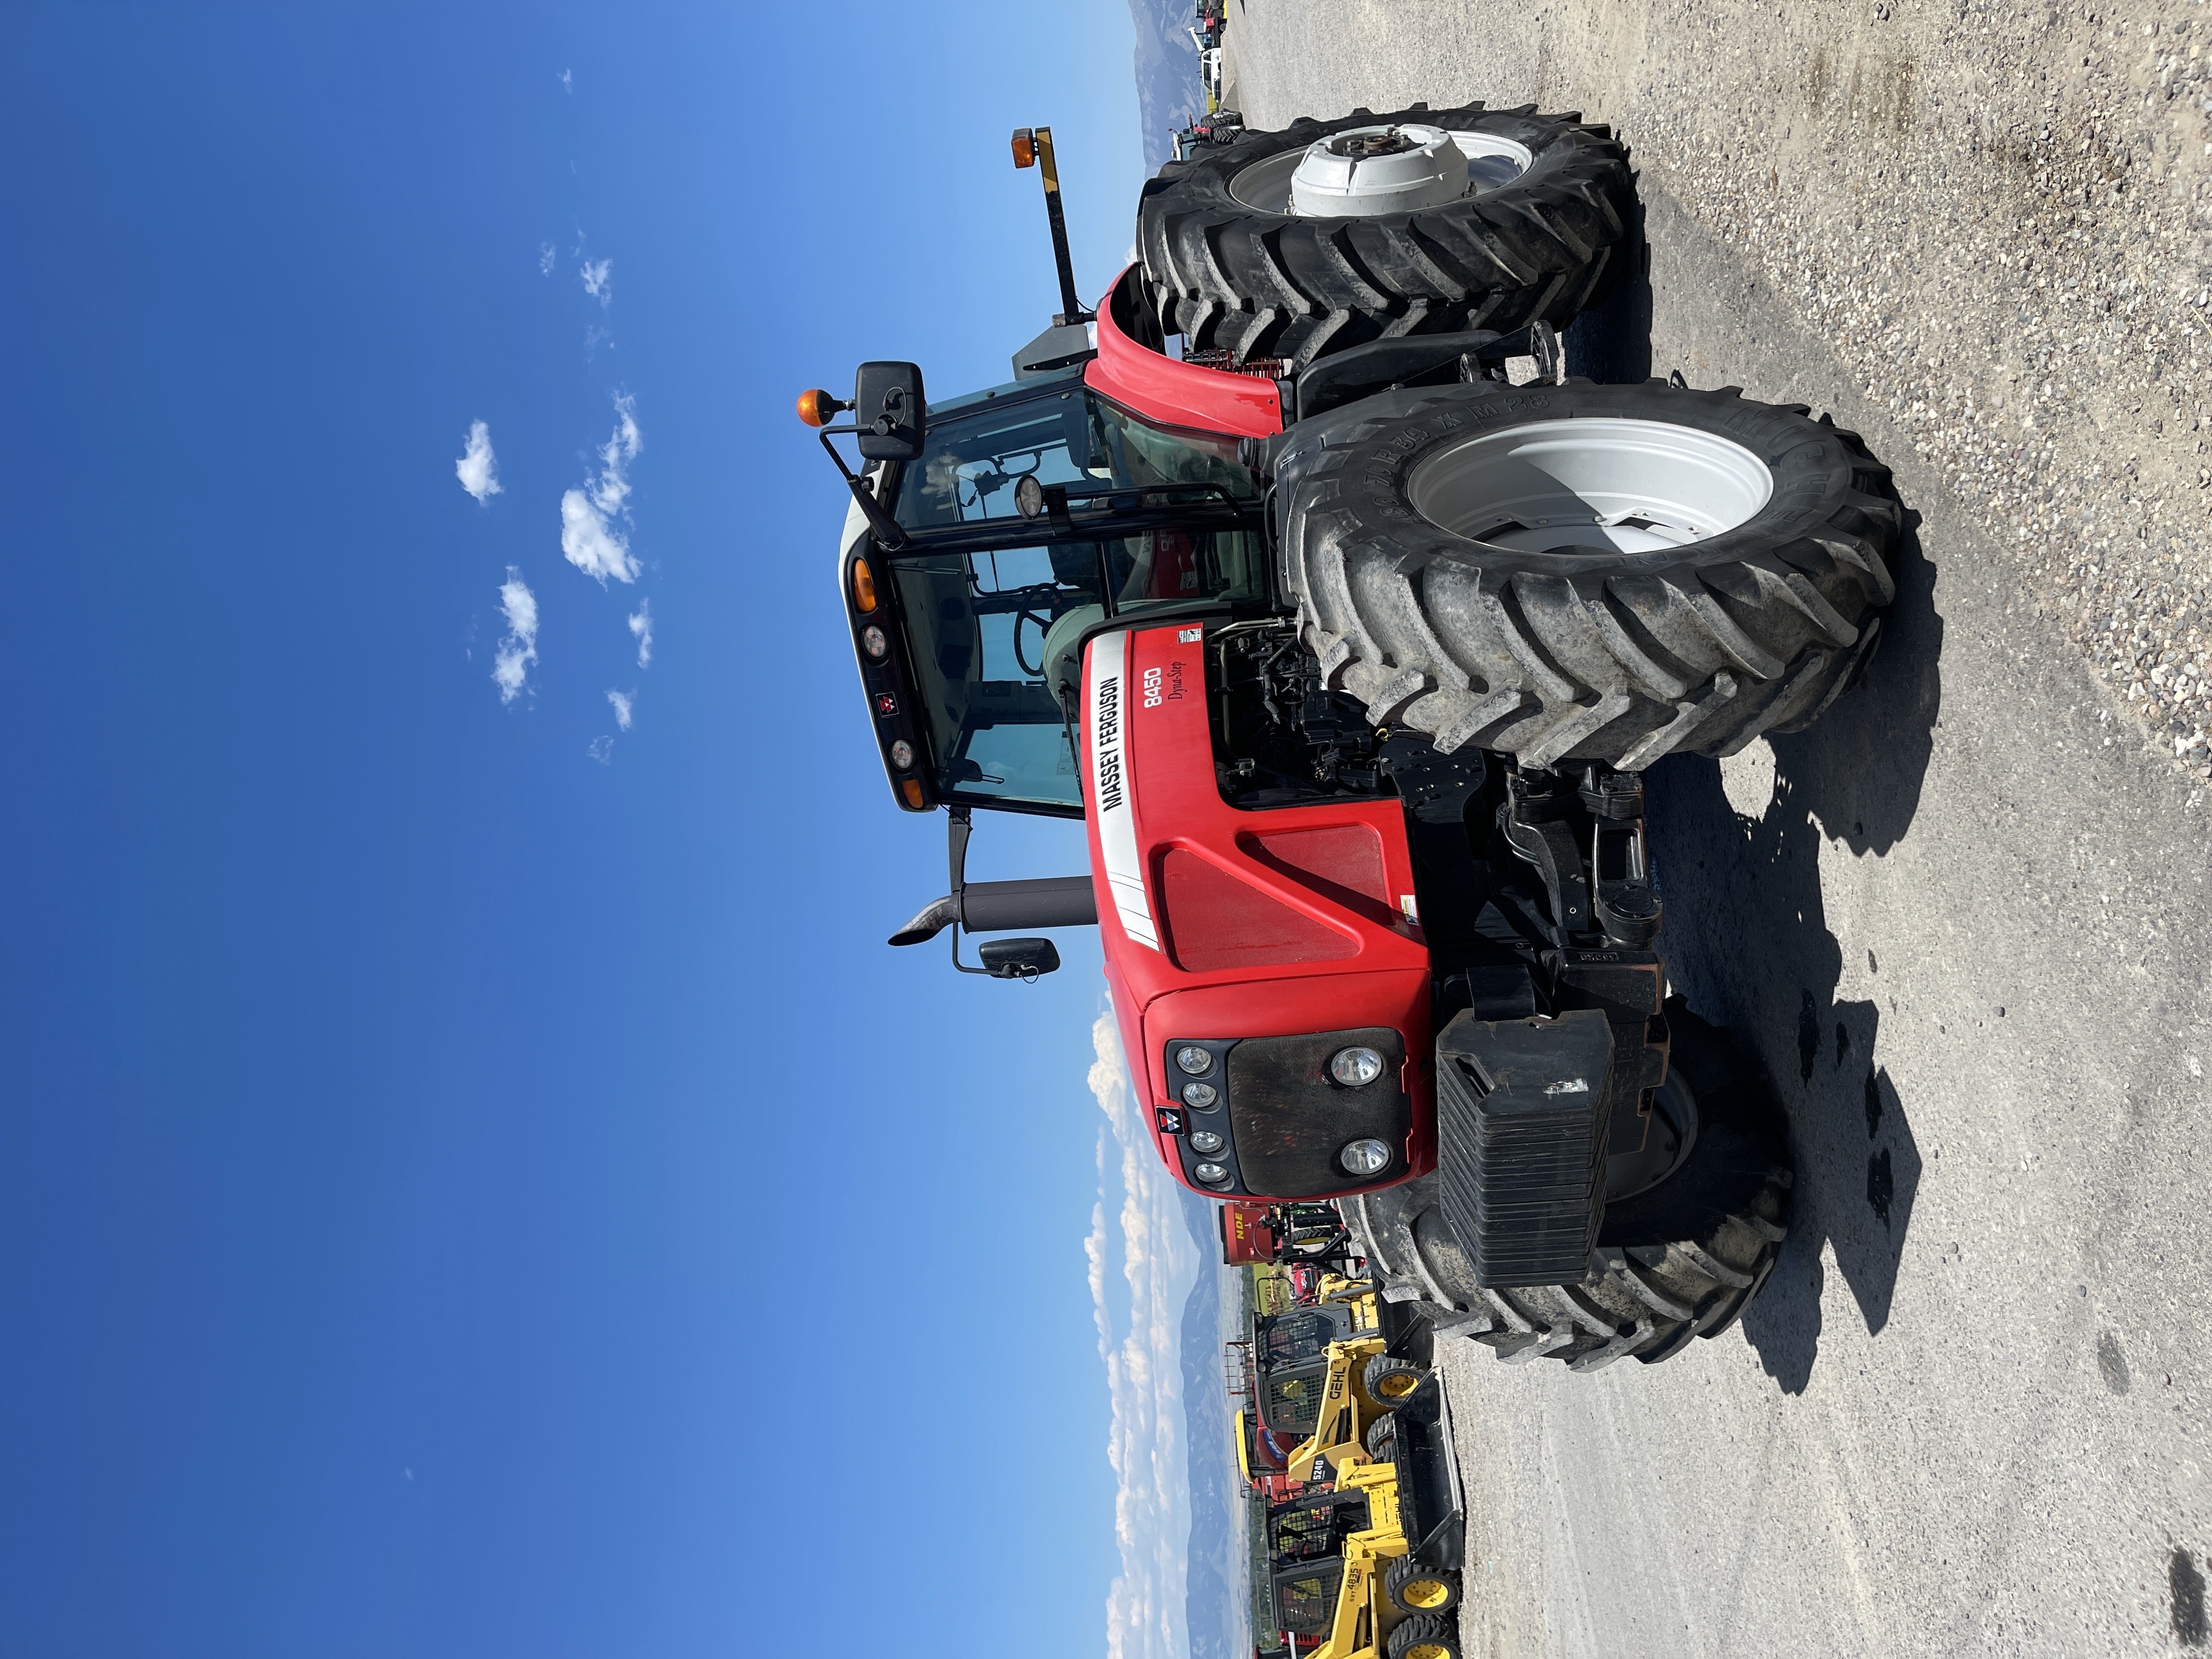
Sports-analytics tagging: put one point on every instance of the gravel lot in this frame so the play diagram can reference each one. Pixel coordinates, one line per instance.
(1965, 919)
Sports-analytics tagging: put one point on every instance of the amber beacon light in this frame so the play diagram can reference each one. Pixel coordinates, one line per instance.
(817, 407)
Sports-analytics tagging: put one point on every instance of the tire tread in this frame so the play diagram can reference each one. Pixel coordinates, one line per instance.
(1226, 275)
(1754, 630)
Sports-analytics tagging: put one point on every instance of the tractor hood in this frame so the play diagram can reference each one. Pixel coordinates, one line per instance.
(1262, 943)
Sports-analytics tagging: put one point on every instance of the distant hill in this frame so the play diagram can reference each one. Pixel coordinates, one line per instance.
(1216, 1597)
(1169, 95)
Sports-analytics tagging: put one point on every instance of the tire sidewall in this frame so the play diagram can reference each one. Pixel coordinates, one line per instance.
(1555, 148)
(1377, 444)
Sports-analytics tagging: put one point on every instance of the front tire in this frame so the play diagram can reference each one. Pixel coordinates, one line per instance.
(1586, 572)
(1388, 1380)
(1235, 270)
(1419, 1589)
(1680, 1261)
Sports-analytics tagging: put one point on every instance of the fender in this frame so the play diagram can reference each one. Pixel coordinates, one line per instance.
(1141, 377)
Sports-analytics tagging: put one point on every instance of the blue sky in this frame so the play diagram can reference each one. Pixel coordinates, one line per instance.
(474, 1181)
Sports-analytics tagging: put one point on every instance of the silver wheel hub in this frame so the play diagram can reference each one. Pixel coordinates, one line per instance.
(1594, 485)
(1363, 172)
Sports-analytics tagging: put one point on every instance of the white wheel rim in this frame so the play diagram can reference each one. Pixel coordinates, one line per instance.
(1603, 485)
(1491, 162)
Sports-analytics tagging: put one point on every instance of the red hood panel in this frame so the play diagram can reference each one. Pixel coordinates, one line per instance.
(1222, 923)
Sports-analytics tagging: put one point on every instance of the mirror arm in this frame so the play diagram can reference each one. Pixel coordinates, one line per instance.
(956, 962)
(959, 824)
(889, 535)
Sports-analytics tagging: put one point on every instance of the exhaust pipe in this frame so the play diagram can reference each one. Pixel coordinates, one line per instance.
(999, 906)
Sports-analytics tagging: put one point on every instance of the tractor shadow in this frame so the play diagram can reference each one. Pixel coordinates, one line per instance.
(1747, 943)
(1611, 342)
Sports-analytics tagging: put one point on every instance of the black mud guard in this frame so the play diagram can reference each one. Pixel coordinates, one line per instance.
(1431, 1504)
(1524, 1125)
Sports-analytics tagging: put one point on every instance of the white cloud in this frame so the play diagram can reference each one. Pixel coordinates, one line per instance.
(590, 539)
(611, 489)
(1146, 1606)
(568, 81)
(623, 702)
(510, 667)
(641, 628)
(600, 280)
(600, 749)
(546, 255)
(590, 544)
(478, 468)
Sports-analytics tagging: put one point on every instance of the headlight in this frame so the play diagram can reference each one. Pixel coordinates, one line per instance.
(1365, 1158)
(872, 639)
(1355, 1068)
(903, 754)
(1200, 1096)
(1195, 1059)
(1212, 1173)
(1205, 1141)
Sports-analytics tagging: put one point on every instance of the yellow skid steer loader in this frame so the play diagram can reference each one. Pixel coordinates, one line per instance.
(1330, 1373)
(1371, 1570)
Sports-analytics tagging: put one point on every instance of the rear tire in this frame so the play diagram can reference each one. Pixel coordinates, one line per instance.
(1424, 1636)
(1382, 1435)
(1717, 574)
(1682, 1260)
(1233, 274)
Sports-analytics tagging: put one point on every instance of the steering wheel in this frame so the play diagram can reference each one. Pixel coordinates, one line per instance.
(1036, 670)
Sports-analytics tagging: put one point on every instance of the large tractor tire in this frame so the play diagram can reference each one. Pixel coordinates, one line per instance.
(1585, 572)
(1681, 1259)
(1538, 236)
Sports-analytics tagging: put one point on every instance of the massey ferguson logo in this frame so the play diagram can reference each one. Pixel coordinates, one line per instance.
(1109, 743)
(1108, 674)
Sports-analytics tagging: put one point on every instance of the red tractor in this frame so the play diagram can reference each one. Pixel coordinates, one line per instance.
(1350, 654)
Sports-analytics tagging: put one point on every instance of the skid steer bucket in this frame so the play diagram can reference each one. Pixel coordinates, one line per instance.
(1431, 1506)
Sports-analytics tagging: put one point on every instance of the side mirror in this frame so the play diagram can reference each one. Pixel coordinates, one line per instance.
(1018, 958)
(889, 411)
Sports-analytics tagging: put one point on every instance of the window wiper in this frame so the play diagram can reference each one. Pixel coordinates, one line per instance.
(1114, 494)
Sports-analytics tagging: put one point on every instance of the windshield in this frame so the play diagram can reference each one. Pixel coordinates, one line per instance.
(992, 634)
(974, 456)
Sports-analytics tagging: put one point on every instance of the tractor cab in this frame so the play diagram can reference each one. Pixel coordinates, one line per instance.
(989, 540)
(1035, 514)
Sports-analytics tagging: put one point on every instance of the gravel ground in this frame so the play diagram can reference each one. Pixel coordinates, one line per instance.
(1995, 218)
(1964, 918)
